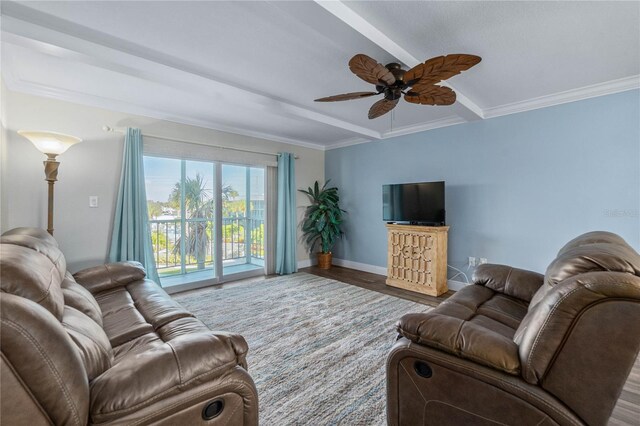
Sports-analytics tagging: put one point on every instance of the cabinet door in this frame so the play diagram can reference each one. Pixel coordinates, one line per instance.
(411, 258)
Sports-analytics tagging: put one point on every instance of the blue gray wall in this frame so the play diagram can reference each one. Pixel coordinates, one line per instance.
(517, 187)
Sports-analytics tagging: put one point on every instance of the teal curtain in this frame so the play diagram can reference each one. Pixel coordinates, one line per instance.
(131, 239)
(286, 260)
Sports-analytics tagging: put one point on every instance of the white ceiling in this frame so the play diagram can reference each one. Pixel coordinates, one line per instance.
(255, 67)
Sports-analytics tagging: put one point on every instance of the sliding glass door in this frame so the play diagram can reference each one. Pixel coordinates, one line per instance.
(242, 218)
(207, 220)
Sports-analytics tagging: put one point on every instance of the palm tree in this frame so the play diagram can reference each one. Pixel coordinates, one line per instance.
(198, 205)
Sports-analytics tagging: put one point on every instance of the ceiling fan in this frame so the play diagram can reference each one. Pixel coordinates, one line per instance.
(418, 85)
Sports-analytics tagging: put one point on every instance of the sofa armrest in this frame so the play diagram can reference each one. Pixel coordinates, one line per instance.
(177, 366)
(461, 338)
(104, 277)
(514, 282)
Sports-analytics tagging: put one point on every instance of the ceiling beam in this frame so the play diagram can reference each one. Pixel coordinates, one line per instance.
(464, 106)
(55, 37)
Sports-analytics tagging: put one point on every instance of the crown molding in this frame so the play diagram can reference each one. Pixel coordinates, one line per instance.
(407, 130)
(347, 142)
(581, 93)
(36, 89)
(435, 124)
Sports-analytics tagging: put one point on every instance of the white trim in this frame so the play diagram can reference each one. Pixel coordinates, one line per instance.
(351, 18)
(456, 285)
(586, 92)
(347, 142)
(407, 130)
(305, 263)
(380, 270)
(36, 89)
(436, 124)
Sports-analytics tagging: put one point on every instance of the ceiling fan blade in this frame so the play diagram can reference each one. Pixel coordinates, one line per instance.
(346, 96)
(440, 68)
(382, 107)
(370, 70)
(430, 95)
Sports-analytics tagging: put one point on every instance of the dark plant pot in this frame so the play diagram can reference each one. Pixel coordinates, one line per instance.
(324, 260)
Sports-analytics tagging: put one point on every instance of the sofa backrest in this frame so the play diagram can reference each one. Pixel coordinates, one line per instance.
(51, 334)
(581, 335)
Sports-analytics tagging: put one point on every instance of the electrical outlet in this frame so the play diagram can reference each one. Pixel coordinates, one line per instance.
(93, 201)
(483, 260)
(472, 261)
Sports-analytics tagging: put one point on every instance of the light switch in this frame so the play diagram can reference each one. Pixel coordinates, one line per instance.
(93, 201)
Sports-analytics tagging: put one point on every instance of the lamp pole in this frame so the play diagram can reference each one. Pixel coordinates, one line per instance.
(51, 175)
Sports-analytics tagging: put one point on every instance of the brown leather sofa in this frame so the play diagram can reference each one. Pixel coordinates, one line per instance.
(522, 348)
(107, 346)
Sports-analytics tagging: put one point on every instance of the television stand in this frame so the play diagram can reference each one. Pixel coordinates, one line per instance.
(417, 258)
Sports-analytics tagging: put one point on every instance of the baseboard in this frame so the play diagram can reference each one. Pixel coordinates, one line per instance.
(381, 270)
(456, 285)
(305, 263)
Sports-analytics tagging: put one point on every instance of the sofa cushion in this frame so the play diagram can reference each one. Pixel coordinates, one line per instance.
(591, 258)
(154, 303)
(165, 370)
(112, 275)
(43, 355)
(514, 282)
(91, 341)
(27, 273)
(46, 246)
(594, 237)
(591, 252)
(79, 298)
(476, 323)
(122, 320)
(545, 329)
(37, 233)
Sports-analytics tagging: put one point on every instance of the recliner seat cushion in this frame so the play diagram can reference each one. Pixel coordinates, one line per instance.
(91, 341)
(472, 325)
(79, 298)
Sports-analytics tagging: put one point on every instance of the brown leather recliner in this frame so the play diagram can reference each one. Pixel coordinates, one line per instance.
(107, 346)
(522, 348)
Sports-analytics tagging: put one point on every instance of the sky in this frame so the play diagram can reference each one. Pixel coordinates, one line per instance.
(161, 175)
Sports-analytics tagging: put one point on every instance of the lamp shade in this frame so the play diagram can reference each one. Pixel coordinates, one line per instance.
(50, 143)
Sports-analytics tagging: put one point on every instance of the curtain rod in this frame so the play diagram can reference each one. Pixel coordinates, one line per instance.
(115, 130)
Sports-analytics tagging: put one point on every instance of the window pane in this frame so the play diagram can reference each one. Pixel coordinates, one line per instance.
(162, 178)
(199, 202)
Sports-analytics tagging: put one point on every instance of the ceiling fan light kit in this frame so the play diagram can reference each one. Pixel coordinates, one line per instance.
(418, 85)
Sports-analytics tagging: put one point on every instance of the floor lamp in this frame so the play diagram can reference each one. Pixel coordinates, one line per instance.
(51, 144)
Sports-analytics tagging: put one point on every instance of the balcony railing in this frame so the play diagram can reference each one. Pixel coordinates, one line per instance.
(242, 242)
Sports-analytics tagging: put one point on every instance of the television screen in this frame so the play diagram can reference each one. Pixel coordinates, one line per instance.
(414, 202)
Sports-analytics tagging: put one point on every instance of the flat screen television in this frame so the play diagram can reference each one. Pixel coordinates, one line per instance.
(417, 203)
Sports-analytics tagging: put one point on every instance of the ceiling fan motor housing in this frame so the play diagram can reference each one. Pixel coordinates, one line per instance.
(394, 91)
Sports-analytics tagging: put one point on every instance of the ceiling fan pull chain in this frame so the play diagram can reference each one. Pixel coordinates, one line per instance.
(393, 116)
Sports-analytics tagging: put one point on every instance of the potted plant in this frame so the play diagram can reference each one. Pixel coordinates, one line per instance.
(322, 223)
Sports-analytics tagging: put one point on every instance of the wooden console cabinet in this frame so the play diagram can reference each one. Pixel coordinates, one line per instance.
(417, 258)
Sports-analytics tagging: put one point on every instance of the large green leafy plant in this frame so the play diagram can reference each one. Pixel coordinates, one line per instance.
(322, 222)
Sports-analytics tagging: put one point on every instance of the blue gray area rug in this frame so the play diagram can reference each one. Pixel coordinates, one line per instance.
(317, 347)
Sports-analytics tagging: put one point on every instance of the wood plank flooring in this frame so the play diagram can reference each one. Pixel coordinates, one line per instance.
(374, 282)
(627, 410)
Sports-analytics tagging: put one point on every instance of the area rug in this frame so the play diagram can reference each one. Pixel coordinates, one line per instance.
(317, 347)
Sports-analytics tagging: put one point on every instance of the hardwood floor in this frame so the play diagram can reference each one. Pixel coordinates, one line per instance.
(374, 282)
